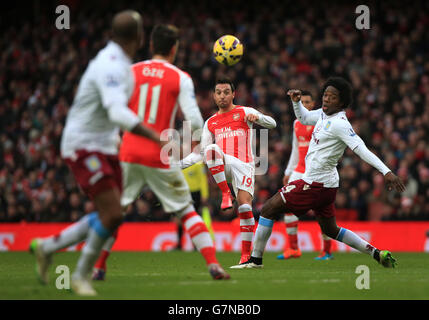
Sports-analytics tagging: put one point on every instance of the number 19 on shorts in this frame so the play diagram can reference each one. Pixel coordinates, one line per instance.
(246, 181)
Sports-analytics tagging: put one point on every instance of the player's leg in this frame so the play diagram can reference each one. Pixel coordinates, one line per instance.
(271, 210)
(44, 248)
(133, 181)
(242, 180)
(329, 227)
(100, 267)
(178, 200)
(247, 223)
(101, 227)
(291, 249)
(214, 159)
(326, 253)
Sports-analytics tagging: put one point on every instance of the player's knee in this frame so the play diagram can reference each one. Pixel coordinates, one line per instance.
(270, 210)
(213, 152)
(330, 230)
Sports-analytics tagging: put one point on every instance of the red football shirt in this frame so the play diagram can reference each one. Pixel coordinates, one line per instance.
(303, 135)
(159, 87)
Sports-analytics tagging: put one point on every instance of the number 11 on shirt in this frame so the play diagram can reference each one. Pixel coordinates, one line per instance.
(156, 91)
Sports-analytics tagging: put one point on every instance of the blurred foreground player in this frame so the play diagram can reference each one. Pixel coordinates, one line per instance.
(230, 158)
(318, 187)
(160, 89)
(294, 171)
(89, 145)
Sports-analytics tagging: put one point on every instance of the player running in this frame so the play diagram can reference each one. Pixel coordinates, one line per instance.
(318, 187)
(89, 145)
(294, 171)
(160, 89)
(230, 158)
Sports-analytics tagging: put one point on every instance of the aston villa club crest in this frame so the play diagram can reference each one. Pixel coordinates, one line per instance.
(235, 116)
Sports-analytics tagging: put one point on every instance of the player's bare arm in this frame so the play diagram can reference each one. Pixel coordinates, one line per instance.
(145, 132)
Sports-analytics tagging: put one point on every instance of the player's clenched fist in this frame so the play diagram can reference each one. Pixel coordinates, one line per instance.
(294, 94)
(251, 117)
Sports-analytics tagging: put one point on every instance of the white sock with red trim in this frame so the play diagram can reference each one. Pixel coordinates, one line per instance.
(247, 226)
(199, 234)
(215, 163)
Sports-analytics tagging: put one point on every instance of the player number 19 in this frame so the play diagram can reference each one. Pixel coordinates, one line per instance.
(247, 181)
(156, 91)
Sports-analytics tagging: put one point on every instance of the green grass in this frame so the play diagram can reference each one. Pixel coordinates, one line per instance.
(183, 275)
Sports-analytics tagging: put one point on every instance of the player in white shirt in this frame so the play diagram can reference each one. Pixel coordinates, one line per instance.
(318, 186)
(89, 146)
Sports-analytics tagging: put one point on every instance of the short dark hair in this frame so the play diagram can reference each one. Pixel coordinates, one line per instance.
(164, 37)
(344, 87)
(306, 93)
(222, 80)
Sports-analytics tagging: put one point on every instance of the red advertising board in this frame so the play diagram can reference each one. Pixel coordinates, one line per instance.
(395, 236)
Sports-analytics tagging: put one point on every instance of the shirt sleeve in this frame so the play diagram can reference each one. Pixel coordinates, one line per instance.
(294, 156)
(190, 160)
(304, 116)
(344, 131)
(363, 152)
(206, 138)
(112, 84)
(194, 157)
(264, 120)
(188, 103)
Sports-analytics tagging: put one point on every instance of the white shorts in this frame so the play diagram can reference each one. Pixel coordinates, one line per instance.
(240, 174)
(295, 176)
(169, 185)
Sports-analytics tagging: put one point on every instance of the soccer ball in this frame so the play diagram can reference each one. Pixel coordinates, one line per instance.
(228, 50)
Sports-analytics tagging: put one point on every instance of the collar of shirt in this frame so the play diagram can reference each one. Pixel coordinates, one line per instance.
(116, 48)
(325, 116)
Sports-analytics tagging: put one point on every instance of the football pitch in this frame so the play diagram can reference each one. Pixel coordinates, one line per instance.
(182, 275)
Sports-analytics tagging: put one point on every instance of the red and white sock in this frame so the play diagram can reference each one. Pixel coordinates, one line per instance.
(247, 226)
(199, 234)
(326, 243)
(291, 222)
(215, 163)
(105, 252)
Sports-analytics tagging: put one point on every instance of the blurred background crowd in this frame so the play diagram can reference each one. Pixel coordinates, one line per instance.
(287, 45)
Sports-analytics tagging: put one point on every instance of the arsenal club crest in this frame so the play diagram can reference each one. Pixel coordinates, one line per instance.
(235, 116)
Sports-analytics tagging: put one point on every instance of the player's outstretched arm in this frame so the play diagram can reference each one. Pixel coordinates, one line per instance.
(254, 116)
(302, 114)
(145, 132)
(392, 181)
